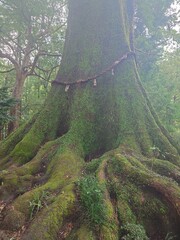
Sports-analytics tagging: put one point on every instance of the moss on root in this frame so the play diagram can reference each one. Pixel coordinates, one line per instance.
(9, 143)
(17, 180)
(132, 194)
(61, 168)
(50, 220)
(84, 233)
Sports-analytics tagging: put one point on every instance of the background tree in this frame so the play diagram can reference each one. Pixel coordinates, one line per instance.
(6, 102)
(156, 44)
(157, 34)
(163, 87)
(30, 30)
(154, 31)
(97, 108)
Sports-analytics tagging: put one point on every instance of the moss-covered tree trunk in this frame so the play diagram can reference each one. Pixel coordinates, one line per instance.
(95, 163)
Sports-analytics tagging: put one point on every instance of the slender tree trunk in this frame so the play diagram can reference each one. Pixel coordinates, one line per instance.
(15, 111)
(97, 108)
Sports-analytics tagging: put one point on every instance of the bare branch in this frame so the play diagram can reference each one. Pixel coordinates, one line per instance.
(13, 41)
(52, 69)
(33, 65)
(7, 71)
(48, 70)
(8, 44)
(7, 56)
(39, 76)
(48, 31)
(50, 54)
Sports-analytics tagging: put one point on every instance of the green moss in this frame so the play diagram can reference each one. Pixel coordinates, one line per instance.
(95, 119)
(125, 214)
(135, 203)
(92, 52)
(133, 231)
(109, 230)
(92, 166)
(9, 143)
(64, 170)
(163, 167)
(123, 196)
(154, 207)
(21, 178)
(45, 128)
(91, 200)
(9, 182)
(109, 233)
(52, 218)
(13, 220)
(84, 233)
(82, 120)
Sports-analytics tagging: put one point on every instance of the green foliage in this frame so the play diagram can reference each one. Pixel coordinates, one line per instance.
(91, 199)
(152, 13)
(35, 92)
(6, 103)
(92, 166)
(155, 21)
(32, 36)
(163, 87)
(158, 62)
(37, 203)
(133, 232)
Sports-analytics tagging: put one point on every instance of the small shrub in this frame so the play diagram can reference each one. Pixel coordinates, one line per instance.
(91, 198)
(37, 203)
(133, 232)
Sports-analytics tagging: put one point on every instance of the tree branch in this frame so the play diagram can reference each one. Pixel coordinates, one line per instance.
(39, 76)
(7, 71)
(13, 41)
(8, 44)
(7, 56)
(50, 54)
(49, 70)
(33, 65)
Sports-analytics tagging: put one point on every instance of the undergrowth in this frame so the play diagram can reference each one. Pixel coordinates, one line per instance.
(92, 166)
(38, 202)
(91, 200)
(133, 232)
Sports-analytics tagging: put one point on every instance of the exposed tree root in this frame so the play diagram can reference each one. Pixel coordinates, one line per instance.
(52, 172)
(136, 190)
(51, 218)
(140, 191)
(109, 231)
(17, 180)
(10, 142)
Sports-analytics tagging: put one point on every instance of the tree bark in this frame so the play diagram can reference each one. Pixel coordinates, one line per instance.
(97, 108)
(15, 111)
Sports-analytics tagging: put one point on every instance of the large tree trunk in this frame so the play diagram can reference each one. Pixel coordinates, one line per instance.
(97, 108)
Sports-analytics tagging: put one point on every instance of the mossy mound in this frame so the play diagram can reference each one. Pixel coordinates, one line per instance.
(117, 196)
